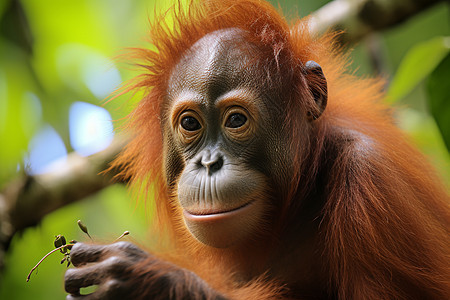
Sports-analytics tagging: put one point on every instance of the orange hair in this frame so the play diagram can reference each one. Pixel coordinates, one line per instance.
(388, 209)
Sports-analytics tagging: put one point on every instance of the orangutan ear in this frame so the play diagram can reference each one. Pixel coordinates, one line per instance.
(318, 86)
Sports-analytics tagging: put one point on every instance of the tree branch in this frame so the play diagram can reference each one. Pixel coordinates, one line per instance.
(27, 200)
(358, 18)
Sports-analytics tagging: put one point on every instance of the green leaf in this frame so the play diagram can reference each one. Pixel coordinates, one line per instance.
(418, 63)
(438, 89)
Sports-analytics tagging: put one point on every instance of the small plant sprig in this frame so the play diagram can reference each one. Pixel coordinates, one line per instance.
(61, 246)
(60, 243)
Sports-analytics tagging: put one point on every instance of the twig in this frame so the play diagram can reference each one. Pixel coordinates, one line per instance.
(42, 259)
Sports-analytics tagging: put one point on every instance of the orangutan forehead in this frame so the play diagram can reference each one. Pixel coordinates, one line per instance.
(219, 61)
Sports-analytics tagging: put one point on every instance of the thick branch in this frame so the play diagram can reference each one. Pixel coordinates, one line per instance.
(27, 200)
(77, 178)
(358, 18)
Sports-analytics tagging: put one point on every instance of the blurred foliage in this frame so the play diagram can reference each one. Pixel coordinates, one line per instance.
(51, 53)
(417, 65)
(439, 96)
(54, 53)
(429, 61)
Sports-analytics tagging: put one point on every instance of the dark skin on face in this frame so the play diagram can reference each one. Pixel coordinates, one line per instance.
(220, 130)
(220, 126)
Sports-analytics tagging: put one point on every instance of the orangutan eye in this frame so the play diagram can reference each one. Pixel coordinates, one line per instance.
(236, 120)
(190, 123)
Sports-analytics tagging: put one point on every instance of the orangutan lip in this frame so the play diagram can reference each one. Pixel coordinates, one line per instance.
(214, 214)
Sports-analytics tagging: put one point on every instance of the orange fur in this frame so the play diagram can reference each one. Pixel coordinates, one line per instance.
(385, 224)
